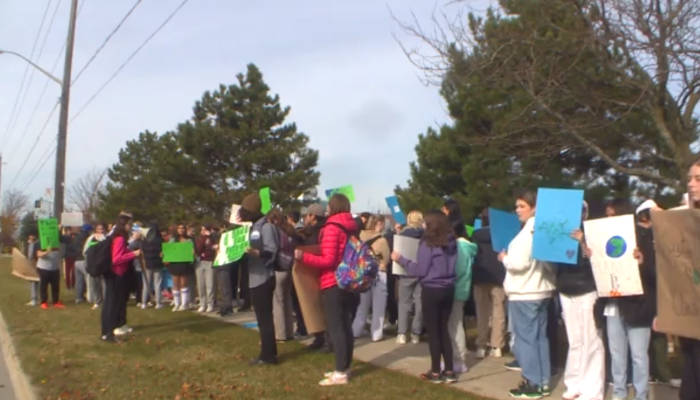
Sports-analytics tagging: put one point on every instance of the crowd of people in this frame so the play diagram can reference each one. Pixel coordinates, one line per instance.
(518, 301)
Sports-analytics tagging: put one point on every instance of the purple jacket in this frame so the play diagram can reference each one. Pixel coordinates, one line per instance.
(436, 265)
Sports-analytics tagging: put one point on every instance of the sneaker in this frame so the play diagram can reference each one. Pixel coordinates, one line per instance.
(388, 326)
(496, 352)
(33, 303)
(546, 390)
(44, 306)
(95, 306)
(481, 353)
(58, 305)
(431, 376)
(513, 366)
(570, 395)
(449, 377)
(330, 374)
(159, 306)
(401, 339)
(335, 378)
(201, 309)
(109, 339)
(210, 309)
(676, 383)
(144, 306)
(415, 339)
(526, 390)
(119, 331)
(178, 308)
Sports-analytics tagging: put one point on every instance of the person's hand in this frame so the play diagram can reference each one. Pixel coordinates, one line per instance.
(215, 247)
(136, 235)
(252, 252)
(638, 256)
(137, 253)
(654, 325)
(502, 255)
(587, 252)
(298, 254)
(577, 235)
(161, 255)
(395, 256)
(397, 228)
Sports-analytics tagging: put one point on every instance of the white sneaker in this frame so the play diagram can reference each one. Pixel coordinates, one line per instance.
(201, 309)
(401, 339)
(415, 339)
(176, 308)
(210, 309)
(496, 352)
(120, 331)
(481, 353)
(144, 306)
(33, 303)
(676, 383)
(570, 395)
(159, 306)
(95, 306)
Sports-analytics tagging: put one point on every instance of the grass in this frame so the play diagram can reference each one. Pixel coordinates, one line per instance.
(175, 356)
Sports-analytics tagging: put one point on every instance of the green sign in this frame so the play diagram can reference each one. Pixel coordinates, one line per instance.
(178, 252)
(346, 190)
(233, 245)
(265, 202)
(470, 230)
(49, 235)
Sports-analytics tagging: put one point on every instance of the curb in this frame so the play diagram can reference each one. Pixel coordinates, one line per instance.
(20, 382)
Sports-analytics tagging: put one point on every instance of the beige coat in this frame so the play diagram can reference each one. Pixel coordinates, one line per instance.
(380, 247)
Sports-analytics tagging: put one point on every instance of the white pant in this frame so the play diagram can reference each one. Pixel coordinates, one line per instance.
(455, 326)
(375, 299)
(585, 363)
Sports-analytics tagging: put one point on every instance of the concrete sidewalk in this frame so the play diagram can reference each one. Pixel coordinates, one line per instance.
(7, 391)
(487, 378)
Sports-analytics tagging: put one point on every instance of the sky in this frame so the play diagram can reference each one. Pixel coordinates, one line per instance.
(350, 87)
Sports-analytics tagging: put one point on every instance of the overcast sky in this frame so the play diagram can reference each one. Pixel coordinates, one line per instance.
(350, 87)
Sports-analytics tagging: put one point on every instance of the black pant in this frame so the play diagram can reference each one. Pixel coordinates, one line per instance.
(223, 277)
(392, 306)
(437, 306)
(138, 275)
(339, 305)
(114, 305)
(47, 278)
(262, 297)
(553, 313)
(296, 307)
(690, 379)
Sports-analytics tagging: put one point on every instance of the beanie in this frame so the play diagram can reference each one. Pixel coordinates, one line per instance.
(252, 203)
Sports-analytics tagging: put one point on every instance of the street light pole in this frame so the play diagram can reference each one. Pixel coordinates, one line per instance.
(60, 181)
(43, 71)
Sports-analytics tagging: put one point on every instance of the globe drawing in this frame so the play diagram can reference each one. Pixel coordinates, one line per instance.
(616, 247)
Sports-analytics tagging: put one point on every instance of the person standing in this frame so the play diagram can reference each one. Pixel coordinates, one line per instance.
(48, 265)
(180, 272)
(30, 251)
(152, 249)
(96, 287)
(81, 275)
(410, 289)
(205, 249)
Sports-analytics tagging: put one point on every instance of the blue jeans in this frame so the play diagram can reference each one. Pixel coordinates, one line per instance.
(34, 291)
(531, 343)
(622, 339)
(81, 277)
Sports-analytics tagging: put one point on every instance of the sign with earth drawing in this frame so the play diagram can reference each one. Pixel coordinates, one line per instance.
(612, 242)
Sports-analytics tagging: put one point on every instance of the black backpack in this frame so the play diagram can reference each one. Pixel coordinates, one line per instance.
(99, 258)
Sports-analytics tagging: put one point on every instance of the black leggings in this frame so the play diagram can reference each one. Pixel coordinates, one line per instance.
(114, 306)
(437, 306)
(339, 305)
(47, 278)
(690, 379)
(262, 299)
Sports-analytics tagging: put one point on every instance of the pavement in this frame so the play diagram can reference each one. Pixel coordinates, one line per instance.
(486, 378)
(7, 391)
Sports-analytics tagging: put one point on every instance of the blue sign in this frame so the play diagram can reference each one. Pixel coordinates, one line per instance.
(393, 203)
(504, 227)
(477, 223)
(615, 247)
(558, 215)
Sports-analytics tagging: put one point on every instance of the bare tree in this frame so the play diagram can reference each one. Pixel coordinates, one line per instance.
(583, 69)
(14, 203)
(84, 193)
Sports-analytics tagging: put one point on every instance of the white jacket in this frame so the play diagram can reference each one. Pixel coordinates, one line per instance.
(527, 278)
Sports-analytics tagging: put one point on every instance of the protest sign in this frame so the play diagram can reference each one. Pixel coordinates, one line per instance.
(505, 227)
(306, 283)
(558, 215)
(407, 247)
(178, 252)
(49, 236)
(22, 267)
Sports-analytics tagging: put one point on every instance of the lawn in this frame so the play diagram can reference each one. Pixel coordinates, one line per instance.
(175, 356)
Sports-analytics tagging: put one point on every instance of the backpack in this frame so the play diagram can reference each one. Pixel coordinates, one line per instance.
(285, 252)
(99, 258)
(359, 267)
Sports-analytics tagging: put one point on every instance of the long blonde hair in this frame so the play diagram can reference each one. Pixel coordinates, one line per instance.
(414, 219)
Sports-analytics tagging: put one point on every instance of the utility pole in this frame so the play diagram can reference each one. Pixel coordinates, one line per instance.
(60, 182)
(0, 182)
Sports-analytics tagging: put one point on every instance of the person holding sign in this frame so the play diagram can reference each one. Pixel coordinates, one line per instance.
(529, 285)
(48, 263)
(180, 271)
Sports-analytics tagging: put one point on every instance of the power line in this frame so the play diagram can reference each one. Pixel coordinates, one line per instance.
(26, 71)
(121, 67)
(119, 25)
(47, 156)
(34, 145)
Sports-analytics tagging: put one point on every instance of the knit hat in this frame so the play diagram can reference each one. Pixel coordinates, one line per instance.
(87, 228)
(316, 209)
(252, 203)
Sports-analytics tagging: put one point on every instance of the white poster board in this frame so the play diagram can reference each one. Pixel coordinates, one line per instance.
(612, 242)
(72, 219)
(407, 247)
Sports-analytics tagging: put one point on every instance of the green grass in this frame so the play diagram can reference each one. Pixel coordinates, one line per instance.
(176, 356)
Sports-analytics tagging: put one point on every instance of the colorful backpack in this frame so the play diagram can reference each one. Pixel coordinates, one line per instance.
(359, 267)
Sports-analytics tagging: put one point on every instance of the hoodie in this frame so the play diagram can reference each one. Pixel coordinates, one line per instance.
(412, 232)
(487, 270)
(332, 243)
(380, 248)
(465, 258)
(152, 248)
(526, 278)
(436, 265)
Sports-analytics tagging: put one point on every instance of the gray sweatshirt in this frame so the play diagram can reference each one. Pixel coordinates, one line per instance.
(262, 238)
(50, 262)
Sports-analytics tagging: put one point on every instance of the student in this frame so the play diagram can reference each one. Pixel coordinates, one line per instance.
(205, 248)
(410, 289)
(30, 251)
(96, 286)
(463, 285)
(48, 265)
(181, 272)
(529, 285)
(283, 316)
(153, 272)
(435, 270)
(338, 304)
(261, 275)
(81, 275)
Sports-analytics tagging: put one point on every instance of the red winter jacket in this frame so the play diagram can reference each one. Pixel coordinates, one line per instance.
(333, 242)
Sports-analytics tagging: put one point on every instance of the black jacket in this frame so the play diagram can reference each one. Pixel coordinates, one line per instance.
(487, 270)
(575, 280)
(415, 233)
(73, 249)
(77, 245)
(639, 311)
(152, 247)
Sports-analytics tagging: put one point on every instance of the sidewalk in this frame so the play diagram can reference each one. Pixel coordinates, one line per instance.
(7, 391)
(487, 378)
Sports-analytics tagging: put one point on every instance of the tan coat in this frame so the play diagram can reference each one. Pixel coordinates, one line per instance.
(380, 247)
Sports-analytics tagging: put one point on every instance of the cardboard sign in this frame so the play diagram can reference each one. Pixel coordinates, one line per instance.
(677, 242)
(309, 292)
(72, 219)
(49, 235)
(22, 267)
